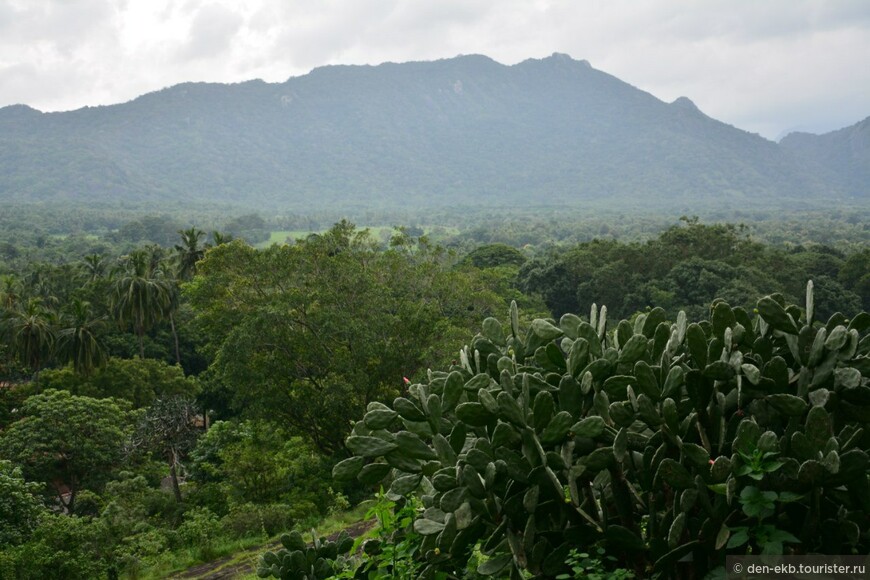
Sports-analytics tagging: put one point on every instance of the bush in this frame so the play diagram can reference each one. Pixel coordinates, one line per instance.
(130, 501)
(250, 520)
(138, 551)
(61, 548)
(661, 442)
(200, 528)
(211, 495)
(89, 503)
(280, 517)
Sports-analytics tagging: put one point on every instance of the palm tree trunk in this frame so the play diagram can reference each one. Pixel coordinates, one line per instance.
(140, 332)
(175, 338)
(36, 377)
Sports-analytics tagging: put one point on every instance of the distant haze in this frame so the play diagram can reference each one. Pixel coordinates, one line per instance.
(766, 67)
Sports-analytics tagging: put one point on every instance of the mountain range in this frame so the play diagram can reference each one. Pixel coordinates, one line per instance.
(465, 131)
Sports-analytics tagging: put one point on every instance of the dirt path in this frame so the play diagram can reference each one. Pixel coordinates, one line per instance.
(227, 568)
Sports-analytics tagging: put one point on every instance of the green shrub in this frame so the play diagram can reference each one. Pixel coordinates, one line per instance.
(136, 552)
(130, 501)
(250, 520)
(211, 495)
(586, 567)
(243, 521)
(661, 442)
(89, 503)
(200, 529)
(61, 548)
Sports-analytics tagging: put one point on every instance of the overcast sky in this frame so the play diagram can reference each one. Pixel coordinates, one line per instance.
(767, 66)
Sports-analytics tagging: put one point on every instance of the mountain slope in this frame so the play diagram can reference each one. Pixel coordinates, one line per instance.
(842, 156)
(461, 131)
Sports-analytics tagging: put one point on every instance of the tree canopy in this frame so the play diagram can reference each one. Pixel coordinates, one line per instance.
(313, 332)
(67, 442)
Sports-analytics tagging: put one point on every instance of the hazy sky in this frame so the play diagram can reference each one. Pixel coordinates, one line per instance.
(767, 66)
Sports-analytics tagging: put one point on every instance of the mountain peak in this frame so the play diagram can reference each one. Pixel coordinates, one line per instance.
(560, 56)
(686, 103)
(558, 59)
(19, 111)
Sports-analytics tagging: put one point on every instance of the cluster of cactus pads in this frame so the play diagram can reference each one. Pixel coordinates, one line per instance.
(662, 442)
(300, 561)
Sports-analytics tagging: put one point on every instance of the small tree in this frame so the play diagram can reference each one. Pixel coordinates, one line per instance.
(169, 427)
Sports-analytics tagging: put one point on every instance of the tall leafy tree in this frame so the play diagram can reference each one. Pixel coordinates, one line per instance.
(10, 291)
(142, 294)
(31, 330)
(220, 238)
(78, 340)
(310, 333)
(20, 506)
(170, 427)
(67, 442)
(189, 252)
(95, 267)
(139, 381)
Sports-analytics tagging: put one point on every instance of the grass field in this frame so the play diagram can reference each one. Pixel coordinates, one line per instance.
(238, 558)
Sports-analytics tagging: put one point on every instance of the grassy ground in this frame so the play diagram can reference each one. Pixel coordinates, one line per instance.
(237, 559)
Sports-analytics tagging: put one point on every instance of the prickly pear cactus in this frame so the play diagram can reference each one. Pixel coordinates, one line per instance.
(659, 441)
(299, 561)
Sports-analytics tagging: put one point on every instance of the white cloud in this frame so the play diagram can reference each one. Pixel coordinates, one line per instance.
(762, 66)
(211, 34)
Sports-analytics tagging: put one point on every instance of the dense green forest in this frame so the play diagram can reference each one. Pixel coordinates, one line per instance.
(170, 392)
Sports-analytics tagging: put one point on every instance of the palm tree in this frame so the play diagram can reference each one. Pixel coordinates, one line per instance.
(94, 266)
(220, 239)
(38, 284)
(10, 291)
(189, 252)
(142, 294)
(171, 308)
(32, 333)
(78, 341)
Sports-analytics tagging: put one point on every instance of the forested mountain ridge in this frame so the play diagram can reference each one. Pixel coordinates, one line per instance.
(843, 154)
(460, 131)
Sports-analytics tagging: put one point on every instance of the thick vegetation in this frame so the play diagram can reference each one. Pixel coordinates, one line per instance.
(309, 334)
(659, 442)
(687, 267)
(175, 401)
(167, 396)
